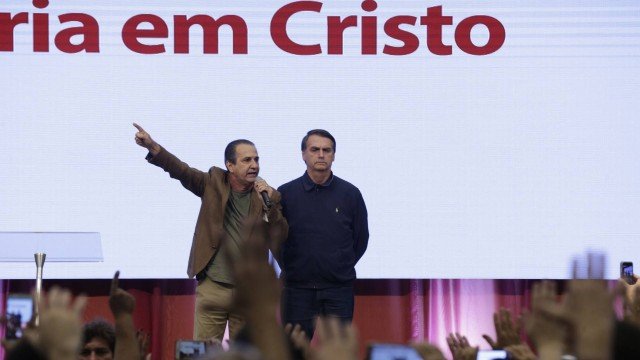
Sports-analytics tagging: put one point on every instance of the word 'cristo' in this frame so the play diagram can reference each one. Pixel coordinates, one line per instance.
(149, 34)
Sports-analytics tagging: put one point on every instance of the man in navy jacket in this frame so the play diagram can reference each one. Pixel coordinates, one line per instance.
(328, 234)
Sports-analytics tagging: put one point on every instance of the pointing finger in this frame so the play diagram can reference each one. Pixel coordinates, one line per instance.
(138, 127)
(114, 282)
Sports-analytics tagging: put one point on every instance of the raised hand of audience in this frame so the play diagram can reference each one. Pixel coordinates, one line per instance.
(507, 331)
(258, 292)
(588, 309)
(460, 347)
(548, 332)
(120, 301)
(122, 305)
(299, 340)
(631, 300)
(143, 344)
(336, 340)
(257, 295)
(59, 333)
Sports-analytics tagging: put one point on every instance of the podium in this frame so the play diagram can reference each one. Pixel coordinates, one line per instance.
(59, 246)
(52, 246)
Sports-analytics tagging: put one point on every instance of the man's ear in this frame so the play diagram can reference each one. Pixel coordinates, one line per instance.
(229, 165)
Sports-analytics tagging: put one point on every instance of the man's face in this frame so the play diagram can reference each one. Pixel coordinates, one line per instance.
(319, 154)
(96, 349)
(246, 168)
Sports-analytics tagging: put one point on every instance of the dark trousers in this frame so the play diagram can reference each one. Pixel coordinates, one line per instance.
(302, 306)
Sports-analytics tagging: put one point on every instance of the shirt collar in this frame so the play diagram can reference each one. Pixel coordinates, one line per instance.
(309, 185)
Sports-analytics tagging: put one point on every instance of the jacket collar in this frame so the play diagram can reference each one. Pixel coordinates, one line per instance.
(309, 185)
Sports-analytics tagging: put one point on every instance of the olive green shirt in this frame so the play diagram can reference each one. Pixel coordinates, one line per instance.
(220, 268)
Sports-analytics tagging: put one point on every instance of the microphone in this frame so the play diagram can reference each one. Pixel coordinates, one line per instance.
(265, 196)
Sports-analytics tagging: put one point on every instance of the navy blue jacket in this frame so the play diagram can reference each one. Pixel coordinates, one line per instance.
(328, 232)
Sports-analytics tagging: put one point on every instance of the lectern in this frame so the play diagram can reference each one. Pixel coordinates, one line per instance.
(49, 246)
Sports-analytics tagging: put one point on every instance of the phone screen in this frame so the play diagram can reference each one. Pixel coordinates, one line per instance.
(19, 312)
(190, 349)
(492, 355)
(392, 352)
(626, 272)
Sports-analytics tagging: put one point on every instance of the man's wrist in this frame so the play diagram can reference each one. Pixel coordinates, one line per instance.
(154, 149)
(595, 342)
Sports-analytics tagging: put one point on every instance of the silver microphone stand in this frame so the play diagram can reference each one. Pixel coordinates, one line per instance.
(39, 265)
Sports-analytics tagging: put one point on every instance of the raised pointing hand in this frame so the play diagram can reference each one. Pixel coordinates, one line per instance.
(143, 139)
(120, 301)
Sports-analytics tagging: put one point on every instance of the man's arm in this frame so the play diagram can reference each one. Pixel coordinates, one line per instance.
(631, 300)
(122, 305)
(257, 295)
(360, 228)
(192, 179)
(59, 333)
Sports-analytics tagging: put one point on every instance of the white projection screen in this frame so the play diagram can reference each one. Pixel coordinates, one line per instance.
(479, 154)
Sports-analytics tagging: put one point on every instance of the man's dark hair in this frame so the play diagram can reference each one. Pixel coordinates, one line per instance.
(318, 132)
(230, 150)
(102, 330)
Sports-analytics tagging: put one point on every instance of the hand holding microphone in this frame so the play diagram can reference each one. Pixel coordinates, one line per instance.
(264, 190)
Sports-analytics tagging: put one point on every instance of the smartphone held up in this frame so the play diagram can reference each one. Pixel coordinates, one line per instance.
(626, 272)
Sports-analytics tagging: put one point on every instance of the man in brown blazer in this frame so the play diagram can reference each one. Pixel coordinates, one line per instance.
(232, 206)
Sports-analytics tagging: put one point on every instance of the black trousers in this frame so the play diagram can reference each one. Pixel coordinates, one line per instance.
(303, 305)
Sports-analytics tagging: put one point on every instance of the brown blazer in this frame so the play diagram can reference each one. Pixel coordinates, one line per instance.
(213, 188)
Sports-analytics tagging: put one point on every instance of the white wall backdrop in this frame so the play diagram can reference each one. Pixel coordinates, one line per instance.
(496, 166)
